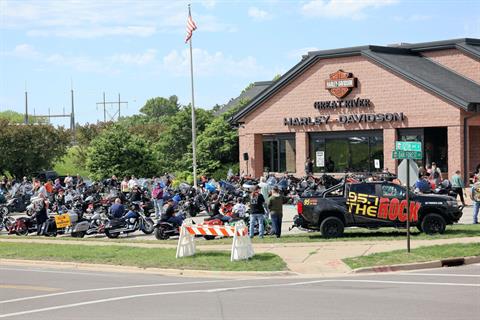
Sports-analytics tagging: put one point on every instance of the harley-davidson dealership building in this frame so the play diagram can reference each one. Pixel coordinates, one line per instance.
(345, 108)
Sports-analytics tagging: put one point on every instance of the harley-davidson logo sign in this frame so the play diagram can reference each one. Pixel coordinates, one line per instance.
(340, 83)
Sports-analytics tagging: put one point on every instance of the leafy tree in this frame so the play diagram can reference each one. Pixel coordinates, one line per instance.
(174, 148)
(217, 145)
(16, 117)
(84, 136)
(147, 127)
(160, 106)
(115, 151)
(29, 148)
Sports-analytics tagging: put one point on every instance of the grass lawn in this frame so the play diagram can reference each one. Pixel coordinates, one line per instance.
(139, 257)
(421, 254)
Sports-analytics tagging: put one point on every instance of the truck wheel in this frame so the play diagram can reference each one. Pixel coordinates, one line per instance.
(331, 227)
(433, 223)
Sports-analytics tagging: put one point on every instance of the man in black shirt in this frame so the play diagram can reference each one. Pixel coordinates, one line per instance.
(257, 212)
(169, 215)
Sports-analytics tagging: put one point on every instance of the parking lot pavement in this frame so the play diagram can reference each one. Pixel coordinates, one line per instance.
(38, 293)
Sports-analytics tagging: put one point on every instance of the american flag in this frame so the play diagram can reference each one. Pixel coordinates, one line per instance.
(191, 26)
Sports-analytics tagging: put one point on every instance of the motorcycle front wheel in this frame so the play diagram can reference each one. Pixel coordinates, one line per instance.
(29, 212)
(148, 226)
(4, 211)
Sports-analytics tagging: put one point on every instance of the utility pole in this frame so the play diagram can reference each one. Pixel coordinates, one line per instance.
(26, 107)
(119, 104)
(72, 120)
(104, 109)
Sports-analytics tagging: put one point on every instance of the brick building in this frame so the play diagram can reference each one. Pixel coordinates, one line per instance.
(345, 108)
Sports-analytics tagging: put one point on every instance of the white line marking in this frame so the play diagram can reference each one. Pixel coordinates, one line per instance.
(216, 290)
(439, 275)
(114, 288)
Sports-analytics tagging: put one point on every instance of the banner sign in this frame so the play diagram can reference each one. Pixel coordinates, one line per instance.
(381, 208)
(62, 220)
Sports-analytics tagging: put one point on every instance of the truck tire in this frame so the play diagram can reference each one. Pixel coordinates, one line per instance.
(332, 227)
(433, 223)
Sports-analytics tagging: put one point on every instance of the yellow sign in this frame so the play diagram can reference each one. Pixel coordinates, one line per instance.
(62, 221)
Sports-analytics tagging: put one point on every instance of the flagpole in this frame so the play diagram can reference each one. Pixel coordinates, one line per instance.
(194, 130)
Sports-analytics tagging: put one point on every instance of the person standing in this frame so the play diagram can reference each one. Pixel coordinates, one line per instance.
(457, 185)
(308, 167)
(436, 169)
(257, 212)
(264, 190)
(476, 198)
(275, 205)
(157, 196)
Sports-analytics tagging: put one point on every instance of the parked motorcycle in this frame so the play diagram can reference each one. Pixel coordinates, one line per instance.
(23, 226)
(114, 226)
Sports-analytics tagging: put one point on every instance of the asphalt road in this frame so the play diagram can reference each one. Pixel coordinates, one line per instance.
(39, 293)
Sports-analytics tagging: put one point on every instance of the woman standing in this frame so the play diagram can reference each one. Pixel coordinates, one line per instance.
(458, 185)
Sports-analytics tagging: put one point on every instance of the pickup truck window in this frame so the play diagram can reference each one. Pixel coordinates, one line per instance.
(393, 191)
(335, 193)
(366, 188)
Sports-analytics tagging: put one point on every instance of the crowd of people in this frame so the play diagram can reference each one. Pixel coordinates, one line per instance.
(265, 200)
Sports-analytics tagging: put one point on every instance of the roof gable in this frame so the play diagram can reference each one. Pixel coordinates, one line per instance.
(403, 60)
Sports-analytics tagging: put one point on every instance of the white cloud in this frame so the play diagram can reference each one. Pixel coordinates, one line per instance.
(24, 50)
(209, 64)
(354, 9)
(93, 18)
(112, 64)
(209, 4)
(298, 53)
(258, 14)
(94, 32)
(136, 59)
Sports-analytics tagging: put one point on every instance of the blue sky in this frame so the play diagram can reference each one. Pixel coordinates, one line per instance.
(136, 48)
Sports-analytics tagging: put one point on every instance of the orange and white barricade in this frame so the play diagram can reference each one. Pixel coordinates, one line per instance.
(241, 247)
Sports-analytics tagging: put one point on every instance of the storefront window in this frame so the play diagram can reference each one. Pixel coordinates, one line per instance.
(347, 151)
(279, 153)
(434, 144)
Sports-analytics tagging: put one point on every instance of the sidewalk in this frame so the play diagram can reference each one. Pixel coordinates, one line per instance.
(312, 258)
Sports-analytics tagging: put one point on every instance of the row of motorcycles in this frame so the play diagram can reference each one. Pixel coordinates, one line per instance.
(87, 212)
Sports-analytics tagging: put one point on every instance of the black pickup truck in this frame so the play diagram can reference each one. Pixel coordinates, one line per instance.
(374, 205)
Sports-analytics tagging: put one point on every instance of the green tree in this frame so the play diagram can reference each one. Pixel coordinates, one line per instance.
(29, 148)
(217, 145)
(174, 148)
(16, 117)
(115, 151)
(159, 106)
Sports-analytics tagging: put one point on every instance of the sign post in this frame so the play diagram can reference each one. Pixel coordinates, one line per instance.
(408, 151)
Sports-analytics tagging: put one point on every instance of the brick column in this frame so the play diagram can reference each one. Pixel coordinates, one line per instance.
(301, 149)
(389, 138)
(455, 150)
(253, 145)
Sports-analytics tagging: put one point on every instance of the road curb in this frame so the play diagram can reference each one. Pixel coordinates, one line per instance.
(420, 265)
(131, 269)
